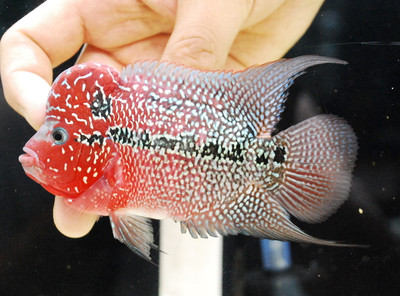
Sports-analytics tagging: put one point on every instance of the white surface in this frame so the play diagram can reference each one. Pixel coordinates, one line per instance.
(189, 266)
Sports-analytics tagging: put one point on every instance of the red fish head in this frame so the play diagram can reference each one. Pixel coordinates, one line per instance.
(50, 159)
(70, 151)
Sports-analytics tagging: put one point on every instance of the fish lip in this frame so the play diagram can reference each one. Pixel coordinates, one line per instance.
(30, 159)
(30, 152)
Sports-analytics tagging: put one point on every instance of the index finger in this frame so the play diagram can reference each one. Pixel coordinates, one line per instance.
(30, 49)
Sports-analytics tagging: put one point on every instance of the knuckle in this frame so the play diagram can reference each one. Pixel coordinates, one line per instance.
(200, 49)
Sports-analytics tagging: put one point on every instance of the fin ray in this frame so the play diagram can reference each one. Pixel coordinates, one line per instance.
(95, 199)
(134, 231)
(266, 219)
(322, 153)
(251, 100)
(267, 88)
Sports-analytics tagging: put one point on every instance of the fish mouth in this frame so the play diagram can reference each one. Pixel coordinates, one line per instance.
(30, 159)
(35, 169)
(31, 164)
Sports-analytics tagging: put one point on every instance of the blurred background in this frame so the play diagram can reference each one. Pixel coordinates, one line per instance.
(35, 259)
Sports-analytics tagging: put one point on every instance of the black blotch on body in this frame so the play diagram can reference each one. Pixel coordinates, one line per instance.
(184, 144)
(164, 142)
(101, 105)
(263, 158)
(235, 152)
(90, 140)
(114, 133)
(144, 140)
(210, 149)
(279, 155)
(124, 136)
(187, 144)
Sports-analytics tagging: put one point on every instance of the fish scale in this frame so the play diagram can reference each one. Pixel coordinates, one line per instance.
(166, 141)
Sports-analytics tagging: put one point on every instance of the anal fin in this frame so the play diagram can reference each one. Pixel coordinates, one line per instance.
(255, 214)
(134, 231)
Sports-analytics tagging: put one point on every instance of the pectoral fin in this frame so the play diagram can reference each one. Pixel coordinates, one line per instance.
(134, 231)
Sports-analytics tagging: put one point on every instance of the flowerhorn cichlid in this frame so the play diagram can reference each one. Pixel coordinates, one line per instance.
(162, 141)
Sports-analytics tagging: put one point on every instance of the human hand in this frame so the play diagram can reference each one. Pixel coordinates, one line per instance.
(207, 34)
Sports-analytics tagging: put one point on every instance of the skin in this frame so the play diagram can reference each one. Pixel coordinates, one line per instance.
(207, 34)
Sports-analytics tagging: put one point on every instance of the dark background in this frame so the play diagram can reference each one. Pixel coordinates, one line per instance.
(35, 259)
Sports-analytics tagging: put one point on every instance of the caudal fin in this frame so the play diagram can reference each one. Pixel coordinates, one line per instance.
(321, 153)
(309, 175)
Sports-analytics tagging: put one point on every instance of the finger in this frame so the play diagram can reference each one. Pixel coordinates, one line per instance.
(30, 49)
(203, 35)
(27, 95)
(71, 222)
(272, 37)
(149, 49)
(111, 24)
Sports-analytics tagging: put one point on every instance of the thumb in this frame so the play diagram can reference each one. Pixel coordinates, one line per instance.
(204, 32)
(71, 222)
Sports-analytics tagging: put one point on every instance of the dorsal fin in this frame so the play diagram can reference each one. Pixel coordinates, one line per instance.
(251, 99)
(267, 88)
(138, 70)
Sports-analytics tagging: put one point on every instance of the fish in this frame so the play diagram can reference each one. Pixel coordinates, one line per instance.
(166, 141)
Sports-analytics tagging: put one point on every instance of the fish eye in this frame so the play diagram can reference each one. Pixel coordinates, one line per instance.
(59, 136)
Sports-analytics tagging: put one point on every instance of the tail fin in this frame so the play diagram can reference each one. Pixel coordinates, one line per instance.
(309, 177)
(321, 155)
